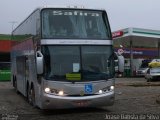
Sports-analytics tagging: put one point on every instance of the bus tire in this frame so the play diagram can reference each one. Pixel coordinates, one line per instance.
(15, 86)
(27, 87)
(31, 96)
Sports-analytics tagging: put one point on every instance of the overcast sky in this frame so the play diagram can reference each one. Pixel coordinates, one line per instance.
(121, 13)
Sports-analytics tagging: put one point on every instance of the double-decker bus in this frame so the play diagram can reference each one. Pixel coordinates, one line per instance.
(64, 58)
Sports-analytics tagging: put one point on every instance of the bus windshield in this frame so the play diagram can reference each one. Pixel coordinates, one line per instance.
(78, 62)
(74, 24)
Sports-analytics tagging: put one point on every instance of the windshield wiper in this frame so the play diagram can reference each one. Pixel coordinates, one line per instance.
(56, 77)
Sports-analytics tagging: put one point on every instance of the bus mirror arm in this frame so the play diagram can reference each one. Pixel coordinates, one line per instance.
(39, 62)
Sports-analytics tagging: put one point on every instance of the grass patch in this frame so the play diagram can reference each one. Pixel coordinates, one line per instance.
(5, 37)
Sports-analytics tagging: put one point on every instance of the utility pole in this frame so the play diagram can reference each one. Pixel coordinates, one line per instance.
(13, 23)
(131, 57)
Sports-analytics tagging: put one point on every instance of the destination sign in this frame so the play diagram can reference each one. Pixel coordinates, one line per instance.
(76, 13)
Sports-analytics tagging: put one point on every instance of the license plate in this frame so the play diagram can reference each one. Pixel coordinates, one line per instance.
(81, 103)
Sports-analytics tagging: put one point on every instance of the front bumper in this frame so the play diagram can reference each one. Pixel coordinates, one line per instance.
(62, 102)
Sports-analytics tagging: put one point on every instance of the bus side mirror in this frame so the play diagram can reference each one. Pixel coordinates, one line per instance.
(39, 62)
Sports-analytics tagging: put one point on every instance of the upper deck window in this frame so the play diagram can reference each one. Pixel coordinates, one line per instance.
(74, 24)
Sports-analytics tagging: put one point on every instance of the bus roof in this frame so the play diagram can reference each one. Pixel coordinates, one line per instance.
(69, 6)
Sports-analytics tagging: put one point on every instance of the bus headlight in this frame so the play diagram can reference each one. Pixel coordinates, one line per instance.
(106, 89)
(111, 87)
(100, 91)
(54, 91)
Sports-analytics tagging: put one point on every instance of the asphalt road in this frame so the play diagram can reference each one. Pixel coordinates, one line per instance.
(135, 98)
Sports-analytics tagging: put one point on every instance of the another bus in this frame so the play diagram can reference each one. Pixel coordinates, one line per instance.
(64, 58)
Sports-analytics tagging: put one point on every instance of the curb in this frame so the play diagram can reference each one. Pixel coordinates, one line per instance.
(141, 84)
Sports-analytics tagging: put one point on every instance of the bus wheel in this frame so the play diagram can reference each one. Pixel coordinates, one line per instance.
(13, 82)
(15, 86)
(31, 96)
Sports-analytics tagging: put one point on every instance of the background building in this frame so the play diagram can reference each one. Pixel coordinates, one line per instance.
(5, 48)
(136, 44)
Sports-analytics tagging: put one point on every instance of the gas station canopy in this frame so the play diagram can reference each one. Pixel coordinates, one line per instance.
(141, 43)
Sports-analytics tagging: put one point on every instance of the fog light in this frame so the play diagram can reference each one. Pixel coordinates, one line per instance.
(61, 93)
(47, 90)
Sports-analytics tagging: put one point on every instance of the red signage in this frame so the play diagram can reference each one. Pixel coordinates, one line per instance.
(117, 34)
(5, 45)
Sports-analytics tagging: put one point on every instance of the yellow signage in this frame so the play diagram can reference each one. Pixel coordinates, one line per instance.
(73, 76)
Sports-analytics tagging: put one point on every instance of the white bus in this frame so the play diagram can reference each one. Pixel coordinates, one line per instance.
(63, 58)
